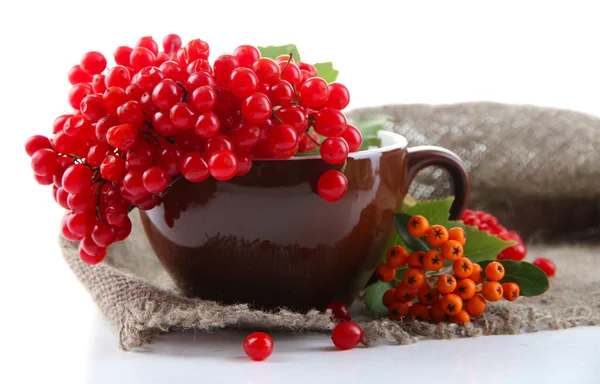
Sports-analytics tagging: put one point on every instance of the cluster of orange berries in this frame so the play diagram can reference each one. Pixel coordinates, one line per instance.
(426, 296)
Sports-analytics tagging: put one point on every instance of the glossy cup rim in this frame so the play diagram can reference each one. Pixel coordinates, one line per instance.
(391, 139)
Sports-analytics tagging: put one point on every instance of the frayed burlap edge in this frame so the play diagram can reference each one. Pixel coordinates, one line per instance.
(138, 309)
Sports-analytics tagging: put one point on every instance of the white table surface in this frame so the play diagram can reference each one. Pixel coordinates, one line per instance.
(518, 52)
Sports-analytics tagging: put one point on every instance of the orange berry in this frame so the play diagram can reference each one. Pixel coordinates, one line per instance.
(389, 296)
(419, 312)
(446, 284)
(428, 295)
(494, 271)
(417, 226)
(433, 260)
(396, 256)
(404, 292)
(461, 317)
(475, 305)
(465, 288)
(477, 274)
(437, 235)
(462, 267)
(414, 278)
(398, 310)
(492, 291)
(386, 273)
(437, 313)
(452, 250)
(458, 234)
(415, 259)
(451, 304)
(511, 291)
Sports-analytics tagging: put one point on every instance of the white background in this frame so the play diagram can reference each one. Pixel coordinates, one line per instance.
(543, 53)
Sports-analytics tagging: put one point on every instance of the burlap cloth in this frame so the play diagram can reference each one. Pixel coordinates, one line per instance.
(519, 156)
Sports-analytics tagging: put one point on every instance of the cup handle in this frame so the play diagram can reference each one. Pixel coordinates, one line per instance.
(424, 156)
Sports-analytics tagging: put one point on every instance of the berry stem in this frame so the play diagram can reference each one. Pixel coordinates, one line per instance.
(286, 64)
(312, 139)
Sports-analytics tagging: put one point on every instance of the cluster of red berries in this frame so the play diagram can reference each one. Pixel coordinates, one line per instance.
(159, 115)
(426, 294)
(487, 222)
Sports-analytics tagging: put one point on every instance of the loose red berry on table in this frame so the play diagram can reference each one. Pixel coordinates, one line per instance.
(339, 311)
(347, 335)
(258, 346)
(545, 265)
(418, 226)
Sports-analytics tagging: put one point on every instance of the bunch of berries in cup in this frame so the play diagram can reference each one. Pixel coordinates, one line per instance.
(159, 115)
(425, 293)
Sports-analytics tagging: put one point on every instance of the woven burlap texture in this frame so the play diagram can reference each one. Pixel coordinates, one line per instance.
(138, 298)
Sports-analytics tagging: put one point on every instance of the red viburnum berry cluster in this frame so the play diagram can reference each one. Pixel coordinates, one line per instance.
(159, 115)
(488, 222)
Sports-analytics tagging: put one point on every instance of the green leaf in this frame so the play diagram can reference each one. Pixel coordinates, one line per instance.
(368, 127)
(327, 72)
(414, 243)
(373, 298)
(483, 246)
(532, 280)
(273, 51)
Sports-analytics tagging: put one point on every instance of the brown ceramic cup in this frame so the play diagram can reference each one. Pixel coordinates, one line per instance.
(268, 238)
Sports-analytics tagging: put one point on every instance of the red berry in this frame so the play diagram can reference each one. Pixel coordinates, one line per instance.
(44, 162)
(347, 335)
(330, 122)
(207, 125)
(293, 115)
(77, 93)
(222, 165)
(171, 44)
(258, 346)
(93, 62)
(203, 99)
(172, 70)
(282, 141)
(267, 70)
(59, 122)
(130, 113)
(199, 79)
(218, 142)
(104, 235)
(194, 50)
(290, 72)
(161, 121)
(194, 168)
(82, 224)
(166, 94)
(222, 68)
(155, 179)
(133, 182)
(332, 185)
(113, 98)
(148, 78)
(78, 75)
(182, 116)
(339, 97)
(113, 168)
(117, 76)
(339, 311)
(314, 92)
(244, 135)
(62, 198)
(89, 258)
(116, 214)
(66, 232)
(545, 265)
(103, 125)
(77, 178)
(92, 108)
(353, 138)
(281, 93)
(149, 43)
(121, 136)
(516, 252)
(124, 229)
(81, 202)
(256, 108)
(122, 55)
(244, 160)
(243, 82)
(141, 57)
(308, 68)
(76, 126)
(246, 55)
(34, 143)
(169, 158)
(334, 150)
(98, 84)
